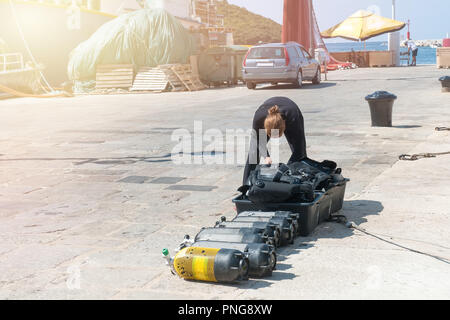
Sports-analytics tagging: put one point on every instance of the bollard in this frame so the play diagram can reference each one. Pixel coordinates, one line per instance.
(381, 103)
(445, 81)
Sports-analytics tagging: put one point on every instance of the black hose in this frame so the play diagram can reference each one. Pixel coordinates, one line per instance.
(343, 220)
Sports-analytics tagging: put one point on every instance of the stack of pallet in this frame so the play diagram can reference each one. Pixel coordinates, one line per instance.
(174, 81)
(177, 77)
(190, 79)
(114, 76)
(173, 77)
(150, 79)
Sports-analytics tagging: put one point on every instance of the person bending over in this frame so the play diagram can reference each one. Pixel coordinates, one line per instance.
(278, 114)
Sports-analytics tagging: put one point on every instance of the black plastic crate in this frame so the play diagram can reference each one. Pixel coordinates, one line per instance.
(333, 200)
(311, 213)
(337, 193)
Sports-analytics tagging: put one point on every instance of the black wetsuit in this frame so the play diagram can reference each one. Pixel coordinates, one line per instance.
(294, 132)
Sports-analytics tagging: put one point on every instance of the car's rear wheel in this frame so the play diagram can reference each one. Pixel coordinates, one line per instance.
(317, 77)
(299, 82)
(251, 85)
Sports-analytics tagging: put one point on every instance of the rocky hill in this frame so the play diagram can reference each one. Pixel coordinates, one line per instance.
(248, 27)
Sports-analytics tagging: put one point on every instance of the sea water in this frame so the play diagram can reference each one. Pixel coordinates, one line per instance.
(425, 55)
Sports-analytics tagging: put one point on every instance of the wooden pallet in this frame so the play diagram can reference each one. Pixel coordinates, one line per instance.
(150, 79)
(113, 92)
(190, 80)
(179, 77)
(174, 81)
(114, 76)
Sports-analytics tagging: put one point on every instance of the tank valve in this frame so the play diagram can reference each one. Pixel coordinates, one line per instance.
(169, 260)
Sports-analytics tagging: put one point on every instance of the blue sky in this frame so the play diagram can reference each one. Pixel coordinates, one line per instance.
(429, 19)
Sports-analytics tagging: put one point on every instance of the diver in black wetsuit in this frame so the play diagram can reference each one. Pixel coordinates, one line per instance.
(282, 114)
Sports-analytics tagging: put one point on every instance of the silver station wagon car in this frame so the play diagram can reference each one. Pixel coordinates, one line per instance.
(279, 63)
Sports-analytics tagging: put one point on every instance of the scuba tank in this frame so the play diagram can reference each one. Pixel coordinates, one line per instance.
(287, 228)
(271, 229)
(290, 216)
(261, 257)
(209, 264)
(244, 235)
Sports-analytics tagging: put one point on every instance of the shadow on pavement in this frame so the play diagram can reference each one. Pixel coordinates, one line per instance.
(118, 160)
(255, 283)
(357, 210)
(318, 86)
(291, 86)
(407, 126)
(283, 266)
(252, 283)
(353, 210)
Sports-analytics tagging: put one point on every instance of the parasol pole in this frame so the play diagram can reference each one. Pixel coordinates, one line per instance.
(394, 40)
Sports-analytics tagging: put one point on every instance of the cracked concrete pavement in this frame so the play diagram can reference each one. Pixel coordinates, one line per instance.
(89, 195)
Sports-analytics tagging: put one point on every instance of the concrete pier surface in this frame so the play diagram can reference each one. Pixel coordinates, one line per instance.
(89, 195)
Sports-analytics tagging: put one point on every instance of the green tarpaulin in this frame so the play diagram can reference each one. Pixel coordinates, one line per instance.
(147, 37)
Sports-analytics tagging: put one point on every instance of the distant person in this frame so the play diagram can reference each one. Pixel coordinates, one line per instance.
(282, 114)
(413, 48)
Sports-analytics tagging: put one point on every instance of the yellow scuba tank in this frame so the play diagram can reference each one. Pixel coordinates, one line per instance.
(209, 264)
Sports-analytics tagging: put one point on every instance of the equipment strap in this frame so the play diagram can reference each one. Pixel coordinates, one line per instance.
(282, 169)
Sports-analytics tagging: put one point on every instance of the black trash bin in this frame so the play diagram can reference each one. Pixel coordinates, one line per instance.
(381, 103)
(445, 81)
(219, 65)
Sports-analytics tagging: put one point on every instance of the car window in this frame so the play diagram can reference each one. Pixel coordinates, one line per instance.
(306, 53)
(300, 52)
(292, 52)
(266, 53)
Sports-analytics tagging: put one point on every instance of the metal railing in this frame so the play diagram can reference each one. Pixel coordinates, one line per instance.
(11, 61)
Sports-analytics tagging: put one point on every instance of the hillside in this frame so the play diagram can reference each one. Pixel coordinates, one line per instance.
(248, 27)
